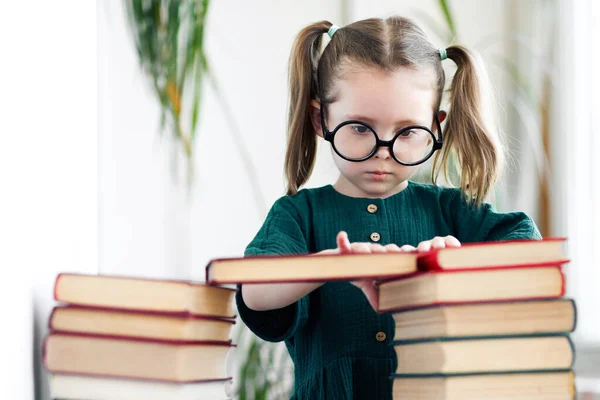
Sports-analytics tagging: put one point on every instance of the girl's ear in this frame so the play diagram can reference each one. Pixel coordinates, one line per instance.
(314, 109)
(442, 115)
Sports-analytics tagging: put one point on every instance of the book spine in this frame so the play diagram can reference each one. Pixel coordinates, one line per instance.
(471, 302)
(166, 313)
(137, 339)
(45, 352)
(143, 339)
(573, 350)
(207, 275)
(482, 337)
(509, 301)
(183, 315)
(429, 262)
(138, 279)
(563, 280)
(515, 372)
(51, 318)
(55, 291)
(575, 315)
(137, 378)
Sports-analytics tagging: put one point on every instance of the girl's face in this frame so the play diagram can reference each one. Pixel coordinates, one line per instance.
(388, 102)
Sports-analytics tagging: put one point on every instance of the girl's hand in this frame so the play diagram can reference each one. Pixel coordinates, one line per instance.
(367, 286)
(370, 291)
(437, 242)
(345, 247)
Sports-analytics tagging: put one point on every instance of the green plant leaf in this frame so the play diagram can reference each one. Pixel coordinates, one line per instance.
(169, 40)
(448, 17)
(198, 87)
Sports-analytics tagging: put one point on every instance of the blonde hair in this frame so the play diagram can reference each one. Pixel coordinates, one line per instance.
(469, 137)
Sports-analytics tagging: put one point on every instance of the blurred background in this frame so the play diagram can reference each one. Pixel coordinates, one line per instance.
(92, 183)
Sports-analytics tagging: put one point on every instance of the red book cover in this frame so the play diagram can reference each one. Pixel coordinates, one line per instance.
(496, 254)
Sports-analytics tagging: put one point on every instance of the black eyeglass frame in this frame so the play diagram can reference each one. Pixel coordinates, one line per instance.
(330, 135)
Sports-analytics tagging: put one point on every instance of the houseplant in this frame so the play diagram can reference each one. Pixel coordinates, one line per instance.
(169, 38)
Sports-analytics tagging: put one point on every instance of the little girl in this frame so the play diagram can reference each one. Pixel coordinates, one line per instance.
(374, 94)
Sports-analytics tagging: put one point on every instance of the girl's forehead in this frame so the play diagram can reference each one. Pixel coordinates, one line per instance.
(403, 93)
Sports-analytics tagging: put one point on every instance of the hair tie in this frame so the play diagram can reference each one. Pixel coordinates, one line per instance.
(443, 54)
(332, 30)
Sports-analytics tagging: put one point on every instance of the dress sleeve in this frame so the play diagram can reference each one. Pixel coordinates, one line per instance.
(280, 234)
(483, 224)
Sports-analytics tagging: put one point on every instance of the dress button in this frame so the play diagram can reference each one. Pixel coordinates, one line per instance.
(375, 237)
(372, 208)
(380, 336)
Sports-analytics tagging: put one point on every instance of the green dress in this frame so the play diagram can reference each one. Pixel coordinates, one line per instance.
(331, 333)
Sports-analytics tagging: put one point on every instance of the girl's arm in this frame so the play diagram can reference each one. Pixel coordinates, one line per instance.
(271, 296)
(274, 312)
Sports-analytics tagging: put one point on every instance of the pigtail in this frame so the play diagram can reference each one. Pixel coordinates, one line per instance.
(470, 135)
(302, 139)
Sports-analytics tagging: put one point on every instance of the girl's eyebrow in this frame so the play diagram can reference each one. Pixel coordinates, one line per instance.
(370, 121)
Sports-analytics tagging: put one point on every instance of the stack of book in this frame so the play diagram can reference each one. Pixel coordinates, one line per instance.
(483, 321)
(486, 321)
(127, 338)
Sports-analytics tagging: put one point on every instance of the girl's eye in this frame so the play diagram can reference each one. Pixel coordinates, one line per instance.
(360, 129)
(407, 133)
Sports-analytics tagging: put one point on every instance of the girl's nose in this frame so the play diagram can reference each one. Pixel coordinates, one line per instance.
(383, 152)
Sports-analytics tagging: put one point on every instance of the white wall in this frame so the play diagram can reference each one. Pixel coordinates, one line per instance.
(48, 168)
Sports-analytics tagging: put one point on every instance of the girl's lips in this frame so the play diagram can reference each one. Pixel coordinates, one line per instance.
(378, 175)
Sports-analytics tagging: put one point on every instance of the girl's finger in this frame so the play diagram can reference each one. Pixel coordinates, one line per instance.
(451, 241)
(326, 252)
(438, 243)
(343, 243)
(424, 246)
(407, 248)
(393, 248)
(377, 248)
(361, 248)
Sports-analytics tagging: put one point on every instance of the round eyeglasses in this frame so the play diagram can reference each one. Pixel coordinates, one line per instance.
(357, 141)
